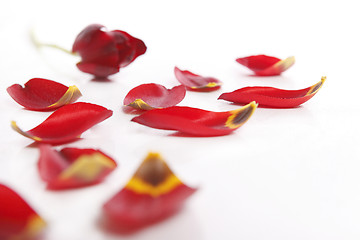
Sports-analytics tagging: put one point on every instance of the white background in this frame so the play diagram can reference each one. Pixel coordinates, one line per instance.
(286, 174)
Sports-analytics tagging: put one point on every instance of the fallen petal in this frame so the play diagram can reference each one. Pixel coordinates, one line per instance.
(17, 219)
(73, 167)
(67, 123)
(196, 122)
(196, 82)
(273, 97)
(152, 194)
(42, 95)
(149, 96)
(263, 65)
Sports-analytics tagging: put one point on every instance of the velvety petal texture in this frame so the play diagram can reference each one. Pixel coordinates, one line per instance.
(263, 65)
(273, 97)
(151, 95)
(104, 52)
(42, 94)
(196, 122)
(17, 219)
(73, 167)
(67, 123)
(196, 82)
(152, 194)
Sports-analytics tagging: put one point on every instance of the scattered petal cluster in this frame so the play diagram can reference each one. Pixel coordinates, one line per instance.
(154, 192)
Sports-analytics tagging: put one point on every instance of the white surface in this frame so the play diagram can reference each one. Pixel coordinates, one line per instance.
(286, 174)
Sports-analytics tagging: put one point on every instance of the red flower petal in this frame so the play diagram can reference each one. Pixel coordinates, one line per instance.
(42, 94)
(195, 82)
(273, 97)
(197, 122)
(73, 167)
(103, 53)
(263, 65)
(67, 123)
(149, 96)
(152, 194)
(17, 219)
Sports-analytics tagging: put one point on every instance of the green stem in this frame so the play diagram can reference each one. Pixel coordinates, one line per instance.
(39, 44)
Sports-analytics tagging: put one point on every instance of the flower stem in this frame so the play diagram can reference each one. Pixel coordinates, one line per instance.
(39, 44)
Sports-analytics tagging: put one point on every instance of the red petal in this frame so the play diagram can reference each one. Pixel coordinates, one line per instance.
(195, 82)
(103, 52)
(17, 219)
(152, 194)
(263, 65)
(134, 47)
(98, 51)
(42, 94)
(273, 97)
(149, 96)
(73, 167)
(197, 122)
(67, 123)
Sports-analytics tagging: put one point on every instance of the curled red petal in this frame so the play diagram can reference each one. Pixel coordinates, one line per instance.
(196, 82)
(196, 122)
(152, 194)
(104, 52)
(73, 167)
(17, 219)
(149, 96)
(42, 94)
(67, 123)
(263, 65)
(134, 47)
(273, 97)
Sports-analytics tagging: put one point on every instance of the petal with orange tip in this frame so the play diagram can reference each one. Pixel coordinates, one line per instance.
(42, 94)
(67, 123)
(17, 219)
(196, 122)
(151, 95)
(152, 194)
(196, 82)
(263, 65)
(273, 97)
(73, 167)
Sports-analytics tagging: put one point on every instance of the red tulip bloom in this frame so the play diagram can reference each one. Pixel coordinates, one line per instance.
(103, 52)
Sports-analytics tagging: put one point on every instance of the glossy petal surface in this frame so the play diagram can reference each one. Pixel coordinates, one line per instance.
(196, 122)
(17, 219)
(43, 94)
(73, 167)
(196, 82)
(273, 97)
(263, 65)
(149, 96)
(104, 52)
(152, 194)
(67, 123)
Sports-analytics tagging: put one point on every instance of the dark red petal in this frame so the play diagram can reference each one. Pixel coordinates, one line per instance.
(196, 82)
(17, 219)
(263, 65)
(43, 94)
(273, 97)
(151, 95)
(152, 194)
(197, 122)
(97, 50)
(128, 46)
(67, 123)
(73, 167)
